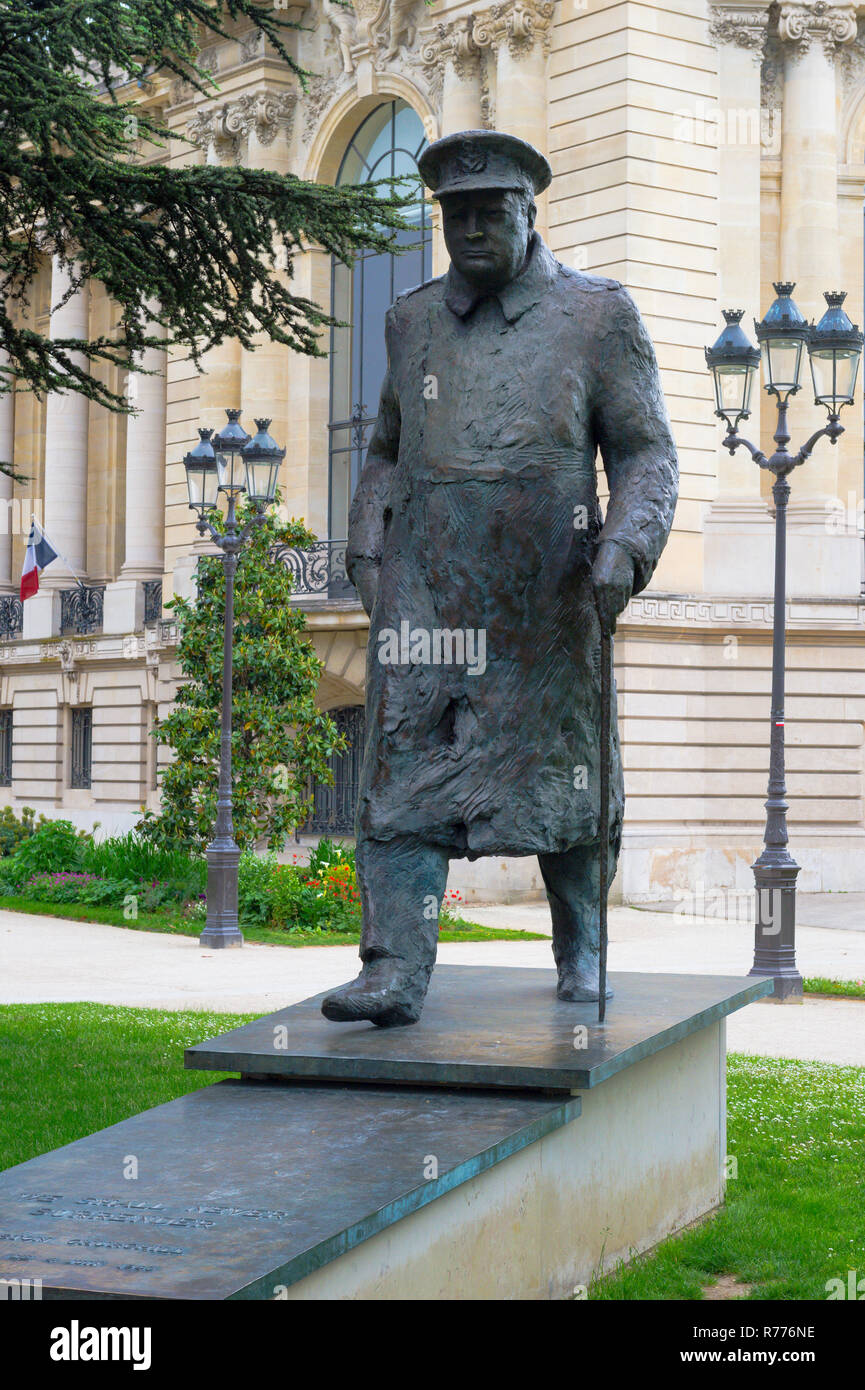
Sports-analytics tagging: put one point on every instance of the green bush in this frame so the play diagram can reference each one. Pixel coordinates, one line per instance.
(172, 874)
(254, 887)
(56, 846)
(281, 741)
(294, 904)
(14, 829)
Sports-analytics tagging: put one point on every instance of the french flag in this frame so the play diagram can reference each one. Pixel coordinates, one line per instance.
(39, 554)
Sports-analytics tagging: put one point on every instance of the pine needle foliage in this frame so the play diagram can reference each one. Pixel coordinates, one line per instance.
(196, 250)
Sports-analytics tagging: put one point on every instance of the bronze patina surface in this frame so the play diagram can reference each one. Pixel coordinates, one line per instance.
(489, 1027)
(478, 546)
(244, 1188)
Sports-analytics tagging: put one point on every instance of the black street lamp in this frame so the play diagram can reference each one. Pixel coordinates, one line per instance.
(233, 463)
(834, 347)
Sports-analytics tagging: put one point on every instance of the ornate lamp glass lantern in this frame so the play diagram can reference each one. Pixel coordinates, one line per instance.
(202, 479)
(229, 462)
(835, 347)
(733, 362)
(783, 335)
(262, 457)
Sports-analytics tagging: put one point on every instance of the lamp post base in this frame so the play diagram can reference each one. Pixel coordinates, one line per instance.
(221, 929)
(788, 988)
(214, 938)
(775, 875)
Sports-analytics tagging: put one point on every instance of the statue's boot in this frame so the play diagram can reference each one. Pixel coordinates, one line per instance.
(402, 883)
(572, 883)
(579, 982)
(385, 993)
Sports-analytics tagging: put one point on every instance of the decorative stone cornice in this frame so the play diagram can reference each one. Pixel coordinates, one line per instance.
(743, 25)
(520, 24)
(225, 127)
(852, 62)
(803, 24)
(703, 612)
(453, 43)
(266, 113)
(321, 90)
(464, 41)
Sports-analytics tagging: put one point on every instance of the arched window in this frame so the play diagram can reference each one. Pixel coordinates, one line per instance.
(386, 145)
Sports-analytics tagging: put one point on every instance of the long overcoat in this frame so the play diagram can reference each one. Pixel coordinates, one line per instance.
(479, 502)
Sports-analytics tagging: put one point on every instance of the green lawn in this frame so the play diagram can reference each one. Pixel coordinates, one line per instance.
(171, 921)
(69, 1069)
(835, 989)
(795, 1213)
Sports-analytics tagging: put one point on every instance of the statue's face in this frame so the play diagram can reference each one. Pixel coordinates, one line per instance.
(487, 234)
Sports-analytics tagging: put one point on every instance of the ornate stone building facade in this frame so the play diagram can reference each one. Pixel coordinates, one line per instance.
(699, 154)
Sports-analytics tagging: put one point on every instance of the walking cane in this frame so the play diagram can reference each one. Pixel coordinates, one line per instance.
(604, 828)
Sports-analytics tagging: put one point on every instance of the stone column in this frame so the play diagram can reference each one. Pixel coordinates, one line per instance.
(459, 56)
(453, 58)
(66, 425)
(218, 391)
(145, 467)
(267, 122)
(519, 34)
(7, 454)
(67, 415)
(219, 384)
(821, 561)
(220, 132)
(738, 553)
(144, 549)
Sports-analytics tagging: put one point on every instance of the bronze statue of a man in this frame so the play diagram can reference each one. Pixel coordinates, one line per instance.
(477, 546)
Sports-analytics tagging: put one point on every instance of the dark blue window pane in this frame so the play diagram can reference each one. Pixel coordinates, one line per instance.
(377, 296)
(386, 144)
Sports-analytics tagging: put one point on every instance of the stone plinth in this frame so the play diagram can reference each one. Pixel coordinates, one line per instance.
(538, 1148)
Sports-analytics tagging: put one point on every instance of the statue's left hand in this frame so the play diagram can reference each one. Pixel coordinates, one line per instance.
(613, 583)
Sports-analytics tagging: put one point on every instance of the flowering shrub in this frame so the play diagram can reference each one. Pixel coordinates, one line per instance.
(326, 854)
(322, 896)
(310, 899)
(71, 887)
(451, 909)
(196, 909)
(338, 885)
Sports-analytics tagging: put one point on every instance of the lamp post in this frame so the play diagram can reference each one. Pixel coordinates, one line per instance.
(232, 463)
(834, 347)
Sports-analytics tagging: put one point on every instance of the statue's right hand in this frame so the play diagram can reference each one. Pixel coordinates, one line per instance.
(364, 576)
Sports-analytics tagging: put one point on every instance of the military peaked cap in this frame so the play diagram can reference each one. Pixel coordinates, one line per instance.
(483, 159)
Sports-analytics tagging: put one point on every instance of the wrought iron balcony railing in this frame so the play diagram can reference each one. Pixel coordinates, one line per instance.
(81, 610)
(11, 617)
(319, 572)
